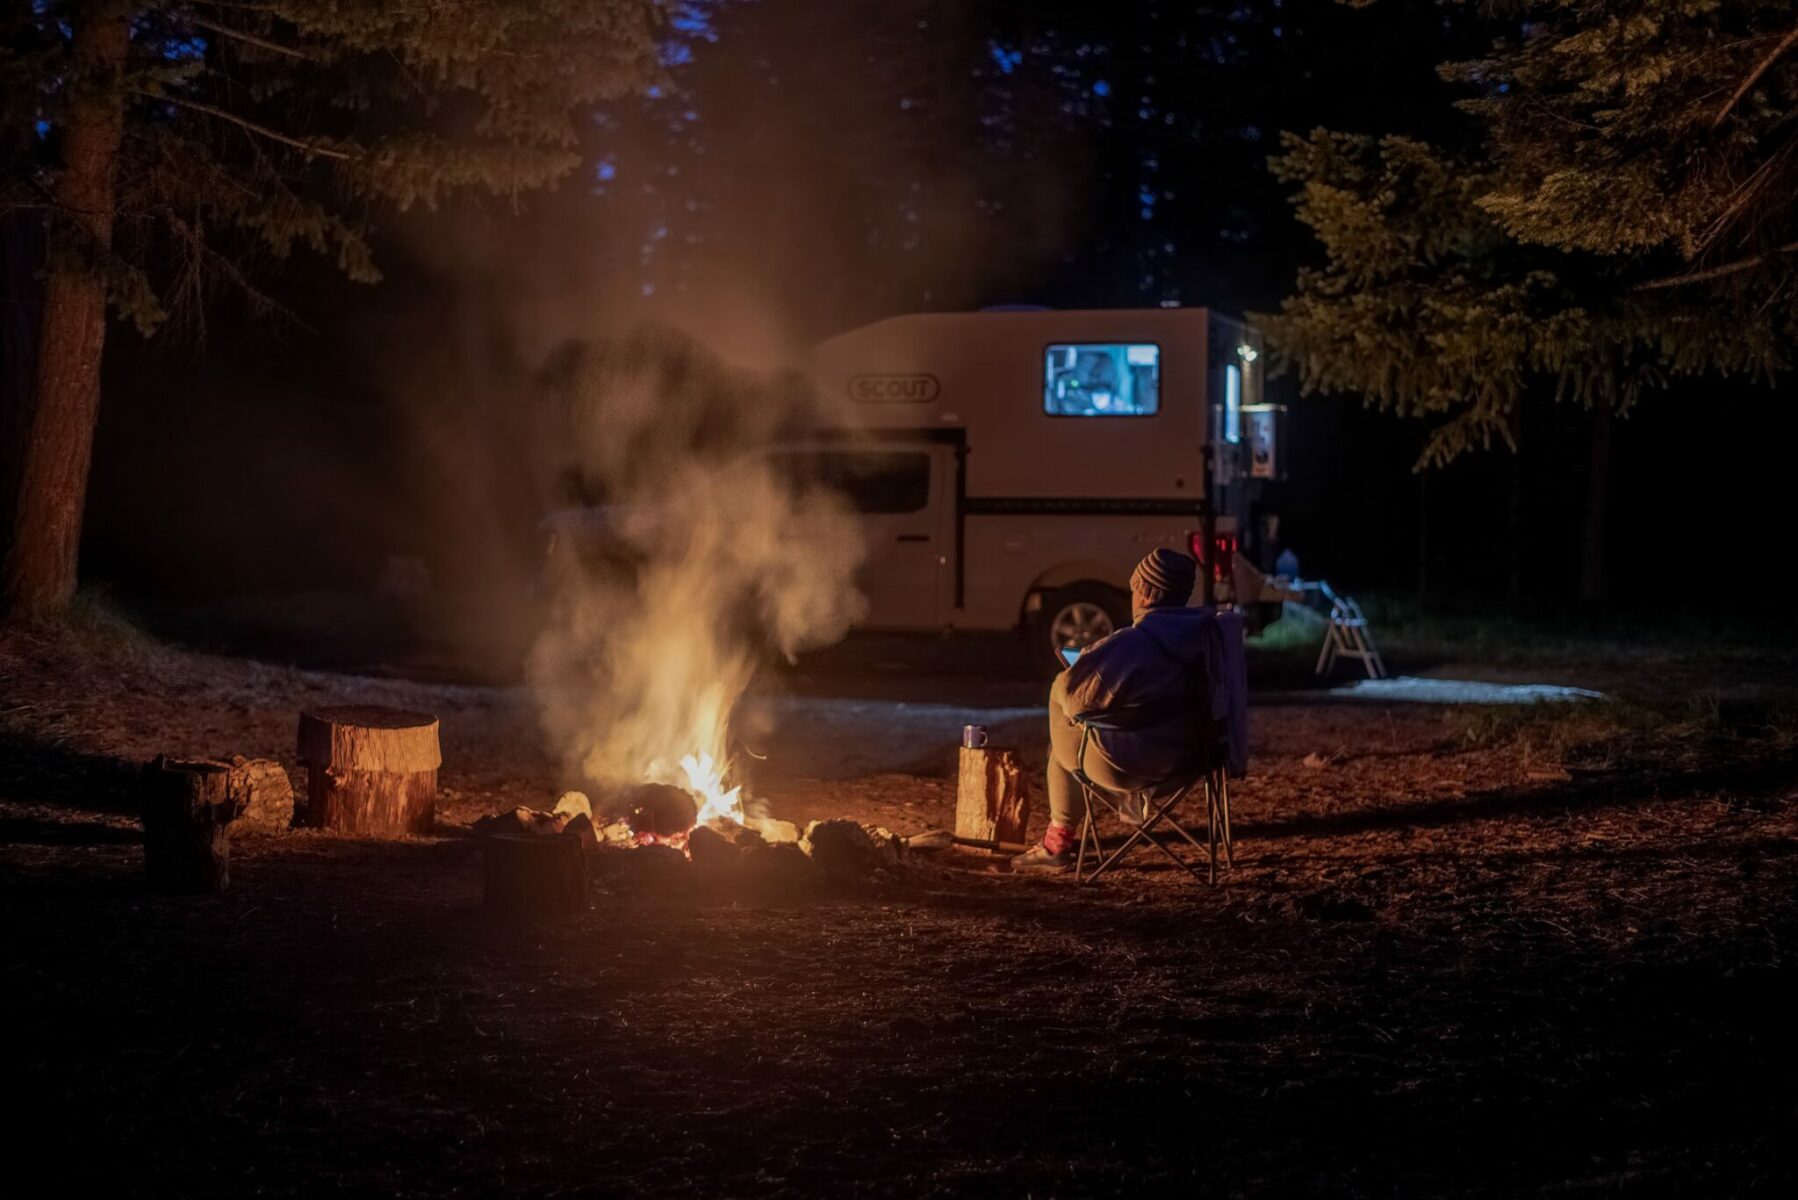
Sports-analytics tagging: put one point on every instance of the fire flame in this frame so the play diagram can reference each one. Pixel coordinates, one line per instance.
(705, 779)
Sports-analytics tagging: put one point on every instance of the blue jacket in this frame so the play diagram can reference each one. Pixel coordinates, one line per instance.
(1154, 688)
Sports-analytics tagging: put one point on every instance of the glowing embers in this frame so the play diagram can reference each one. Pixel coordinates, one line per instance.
(665, 811)
(668, 813)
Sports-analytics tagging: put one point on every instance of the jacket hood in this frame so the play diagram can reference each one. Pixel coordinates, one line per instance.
(1181, 632)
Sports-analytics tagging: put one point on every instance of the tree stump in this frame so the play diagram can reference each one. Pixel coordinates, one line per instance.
(370, 769)
(188, 808)
(535, 876)
(991, 801)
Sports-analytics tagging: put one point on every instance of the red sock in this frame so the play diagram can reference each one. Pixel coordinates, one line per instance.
(1058, 838)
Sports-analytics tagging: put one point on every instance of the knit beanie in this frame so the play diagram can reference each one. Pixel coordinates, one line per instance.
(1164, 579)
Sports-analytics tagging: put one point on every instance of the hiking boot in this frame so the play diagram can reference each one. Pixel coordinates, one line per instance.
(1038, 859)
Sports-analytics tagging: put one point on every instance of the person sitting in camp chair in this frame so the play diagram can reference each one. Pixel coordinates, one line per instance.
(1152, 682)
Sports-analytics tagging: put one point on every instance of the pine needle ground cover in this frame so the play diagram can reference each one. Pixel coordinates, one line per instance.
(1460, 954)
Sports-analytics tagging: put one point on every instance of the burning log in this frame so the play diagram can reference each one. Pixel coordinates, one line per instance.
(370, 769)
(535, 876)
(662, 810)
(991, 802)
(188, 808)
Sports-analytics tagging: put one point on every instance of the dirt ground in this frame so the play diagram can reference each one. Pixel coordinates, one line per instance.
(1458, 954)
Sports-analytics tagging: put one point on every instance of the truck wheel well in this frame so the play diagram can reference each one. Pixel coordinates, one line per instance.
(1063, 575)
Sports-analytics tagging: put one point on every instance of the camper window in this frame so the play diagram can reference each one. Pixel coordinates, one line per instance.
(873, 481)
(1102, 379)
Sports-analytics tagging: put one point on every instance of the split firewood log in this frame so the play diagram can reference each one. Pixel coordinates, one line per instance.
(267, 794)
(188, 808)
(535, 877)
(370, 769)
(991, 802)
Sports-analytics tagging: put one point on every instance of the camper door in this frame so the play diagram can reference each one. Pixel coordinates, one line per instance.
(904, 494)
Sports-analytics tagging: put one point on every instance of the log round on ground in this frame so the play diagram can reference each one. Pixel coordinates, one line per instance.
(370, 769)
(188, 808)
(992, 800)
(535, 877)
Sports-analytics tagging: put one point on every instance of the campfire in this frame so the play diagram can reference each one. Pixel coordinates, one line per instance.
(539, 862)
(706, 781)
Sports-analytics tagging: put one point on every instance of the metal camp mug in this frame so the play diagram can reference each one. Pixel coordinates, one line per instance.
(973, 737)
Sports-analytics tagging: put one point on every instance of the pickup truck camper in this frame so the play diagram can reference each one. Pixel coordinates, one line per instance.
(1011, 467)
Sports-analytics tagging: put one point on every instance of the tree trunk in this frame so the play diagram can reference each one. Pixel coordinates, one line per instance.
(1514, 516)
(991, 802)
(370, 770)
(21, 257)
(39, 571)
(1423, 538)
(1592, 581)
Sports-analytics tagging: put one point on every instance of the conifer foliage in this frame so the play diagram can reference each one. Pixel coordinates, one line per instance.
(1619, 212)
(178, 139)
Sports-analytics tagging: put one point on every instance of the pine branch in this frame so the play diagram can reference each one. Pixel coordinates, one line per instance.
(1754, 76)
(1741, 264)
(274, 135)
(202, 255)
(249, 38)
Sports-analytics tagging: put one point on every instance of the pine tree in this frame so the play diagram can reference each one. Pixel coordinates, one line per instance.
(182, 139)
(1620, 212)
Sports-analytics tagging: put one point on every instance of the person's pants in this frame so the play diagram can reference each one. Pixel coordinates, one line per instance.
(1066, 806)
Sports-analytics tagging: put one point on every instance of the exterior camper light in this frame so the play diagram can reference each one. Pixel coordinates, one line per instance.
(1247, 353)
(1232, 403)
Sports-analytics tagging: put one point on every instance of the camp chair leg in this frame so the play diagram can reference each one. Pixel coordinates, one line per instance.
(1145, 832)
(1189, 868)
(1211, 818)
(1089, 834)
(1229, 842)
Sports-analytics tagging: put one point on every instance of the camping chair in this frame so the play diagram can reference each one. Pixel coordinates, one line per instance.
(1156, 806)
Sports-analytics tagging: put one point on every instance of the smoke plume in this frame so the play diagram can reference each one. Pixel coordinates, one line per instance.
(688, 556)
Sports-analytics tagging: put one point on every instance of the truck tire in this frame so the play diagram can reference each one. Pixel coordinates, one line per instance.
(1076, 615)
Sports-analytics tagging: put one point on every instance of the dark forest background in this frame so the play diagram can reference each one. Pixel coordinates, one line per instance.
(808, 167)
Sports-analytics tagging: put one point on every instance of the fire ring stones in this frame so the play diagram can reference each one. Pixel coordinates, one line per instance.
(842, 847)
